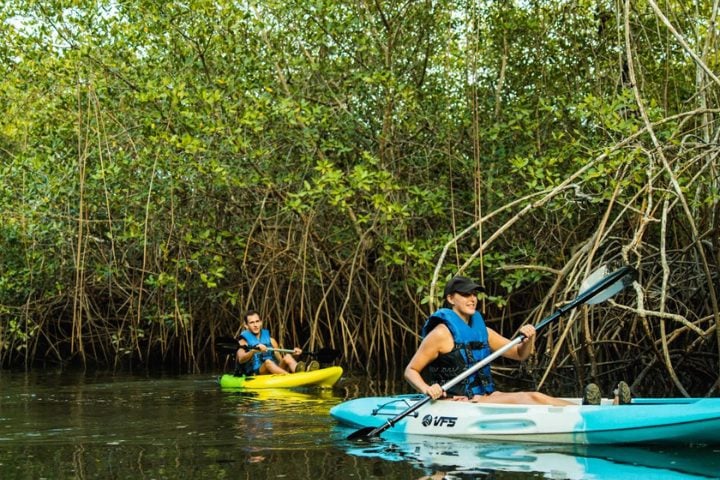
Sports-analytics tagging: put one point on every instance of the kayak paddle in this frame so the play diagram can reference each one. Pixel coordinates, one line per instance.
(229, 346)
(603, 286)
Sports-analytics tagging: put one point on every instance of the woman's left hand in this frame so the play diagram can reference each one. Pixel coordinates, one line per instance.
(528, 331)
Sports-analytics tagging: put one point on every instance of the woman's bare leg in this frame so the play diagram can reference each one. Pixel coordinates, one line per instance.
(521, 398)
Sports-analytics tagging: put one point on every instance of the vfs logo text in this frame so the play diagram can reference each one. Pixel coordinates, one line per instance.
(439, 421)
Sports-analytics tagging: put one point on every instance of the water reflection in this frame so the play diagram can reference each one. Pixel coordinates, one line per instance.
(460, 458)
(269, 419)
(69, 425)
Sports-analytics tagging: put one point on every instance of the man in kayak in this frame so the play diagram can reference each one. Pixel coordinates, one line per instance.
(455, 338)
(256, 355)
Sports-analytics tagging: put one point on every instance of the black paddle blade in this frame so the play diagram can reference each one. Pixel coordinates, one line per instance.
(363, 434)
(226, 345)
(627, 276)
(325, 355)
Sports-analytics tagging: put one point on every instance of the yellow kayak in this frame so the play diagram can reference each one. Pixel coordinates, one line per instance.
(323, 378)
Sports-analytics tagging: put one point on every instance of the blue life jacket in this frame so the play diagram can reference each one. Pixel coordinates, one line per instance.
(471, 346)
(252, 366)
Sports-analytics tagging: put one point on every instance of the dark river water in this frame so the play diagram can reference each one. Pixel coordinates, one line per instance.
(154, 426)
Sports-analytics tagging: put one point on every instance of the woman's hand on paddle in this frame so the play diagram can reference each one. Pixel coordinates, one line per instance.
(435, 391)
(525, 348)
(297, 351)
(528, 331)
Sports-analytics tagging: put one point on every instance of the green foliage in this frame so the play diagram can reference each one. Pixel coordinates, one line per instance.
(164, 163)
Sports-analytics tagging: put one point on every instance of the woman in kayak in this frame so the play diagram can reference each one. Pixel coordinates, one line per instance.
(256, 356)
(455, 338)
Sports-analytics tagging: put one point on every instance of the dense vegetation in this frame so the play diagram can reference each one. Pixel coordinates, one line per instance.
(168, 164)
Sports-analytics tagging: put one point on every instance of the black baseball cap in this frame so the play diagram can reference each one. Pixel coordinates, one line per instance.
(462, 285)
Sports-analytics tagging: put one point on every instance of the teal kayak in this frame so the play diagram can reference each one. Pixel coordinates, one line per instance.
(644, 421)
